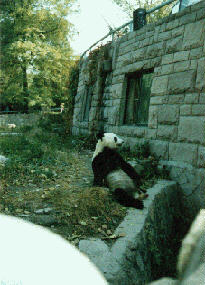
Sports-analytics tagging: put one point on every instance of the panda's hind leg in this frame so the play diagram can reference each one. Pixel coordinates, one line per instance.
(126, 200)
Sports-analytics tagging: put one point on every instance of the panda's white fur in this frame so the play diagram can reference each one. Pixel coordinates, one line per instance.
(110, 140)
(32, 255)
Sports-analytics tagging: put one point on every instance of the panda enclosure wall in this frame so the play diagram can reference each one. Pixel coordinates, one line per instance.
(150, 86)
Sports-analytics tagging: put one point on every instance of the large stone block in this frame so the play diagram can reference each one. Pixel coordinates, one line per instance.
(132, 67)
(153, 113)
(193, 64)
(117, 91)
(181, 55)
(200, 14)
(181, 66)
(125, 59)
(176, 99)
(151, 134)
(159, 149)
(192, 129)
(174, 45)
(167, 132)
(164, 36)
(158, 100)
(201, 157)
(188, 18)
(181, 81)
(200, 79)
(191, 98)
(159, 85)
(172, 25)
(168, 114)
(155, 50)
(193, 35)
(138, 54)
(183, 152)
(178, 31)
(167, 59)
(202, 98)
(185, 110)
(196, 53)
(113, 115)
(167, 69)
(198, 109)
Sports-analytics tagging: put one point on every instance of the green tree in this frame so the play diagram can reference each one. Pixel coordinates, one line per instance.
(35, 52)
(129, 6)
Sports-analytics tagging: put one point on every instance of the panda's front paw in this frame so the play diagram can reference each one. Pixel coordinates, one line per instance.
(138, 204)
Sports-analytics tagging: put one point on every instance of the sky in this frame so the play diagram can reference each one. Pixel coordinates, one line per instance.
(91, 22)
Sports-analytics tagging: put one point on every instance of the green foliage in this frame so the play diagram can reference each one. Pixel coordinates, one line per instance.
(84, 142)
(73, 79)
(35, 150)
(29, 150)
(30, 155)
(140, 151)
(95, 56)
(36, 54)
(152, 170)
(143, 150)
(128, 6)
(51, 121)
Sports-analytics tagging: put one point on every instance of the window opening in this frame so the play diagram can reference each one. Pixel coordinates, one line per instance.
(138, 98)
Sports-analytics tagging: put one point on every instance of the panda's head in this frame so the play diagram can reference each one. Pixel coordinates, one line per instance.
(109, 140)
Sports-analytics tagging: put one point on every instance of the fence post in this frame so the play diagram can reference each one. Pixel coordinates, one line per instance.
(139, 18)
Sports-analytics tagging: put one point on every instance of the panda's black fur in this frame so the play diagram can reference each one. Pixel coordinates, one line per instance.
(106, 162)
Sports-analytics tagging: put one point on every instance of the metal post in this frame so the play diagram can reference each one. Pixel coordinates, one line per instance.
(139, 18)
(184, 3)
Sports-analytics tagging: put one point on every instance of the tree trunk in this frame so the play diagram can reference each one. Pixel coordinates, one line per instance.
(25, 88)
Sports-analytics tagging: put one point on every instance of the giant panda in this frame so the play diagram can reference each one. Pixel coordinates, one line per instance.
(111, 170)
(32, 255)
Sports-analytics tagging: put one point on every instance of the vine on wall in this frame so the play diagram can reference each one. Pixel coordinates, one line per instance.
(96, 56)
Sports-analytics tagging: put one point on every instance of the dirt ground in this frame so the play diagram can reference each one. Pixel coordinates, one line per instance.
(67, 203)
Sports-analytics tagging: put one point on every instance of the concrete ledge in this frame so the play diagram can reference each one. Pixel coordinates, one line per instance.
(127, 260)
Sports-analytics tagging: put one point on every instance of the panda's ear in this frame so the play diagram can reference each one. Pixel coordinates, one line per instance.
(100, 135)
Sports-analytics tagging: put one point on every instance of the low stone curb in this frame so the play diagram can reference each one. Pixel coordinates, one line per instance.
(121, 264)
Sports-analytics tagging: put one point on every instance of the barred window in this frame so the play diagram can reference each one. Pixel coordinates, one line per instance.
(138, 88)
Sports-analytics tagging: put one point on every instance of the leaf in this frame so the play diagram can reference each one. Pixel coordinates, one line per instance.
(82, 223)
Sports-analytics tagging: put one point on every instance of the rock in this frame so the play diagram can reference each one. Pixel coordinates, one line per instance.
(164, 281)
(44, 220)
(192, 253)
(3, 159)
(43, 211)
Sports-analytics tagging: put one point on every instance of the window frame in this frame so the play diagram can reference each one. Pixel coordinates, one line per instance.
(126, 89)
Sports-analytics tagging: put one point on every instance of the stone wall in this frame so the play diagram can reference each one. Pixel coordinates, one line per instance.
(174, 48)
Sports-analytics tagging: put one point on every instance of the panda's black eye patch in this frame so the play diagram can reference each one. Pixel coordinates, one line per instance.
(115, 139)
